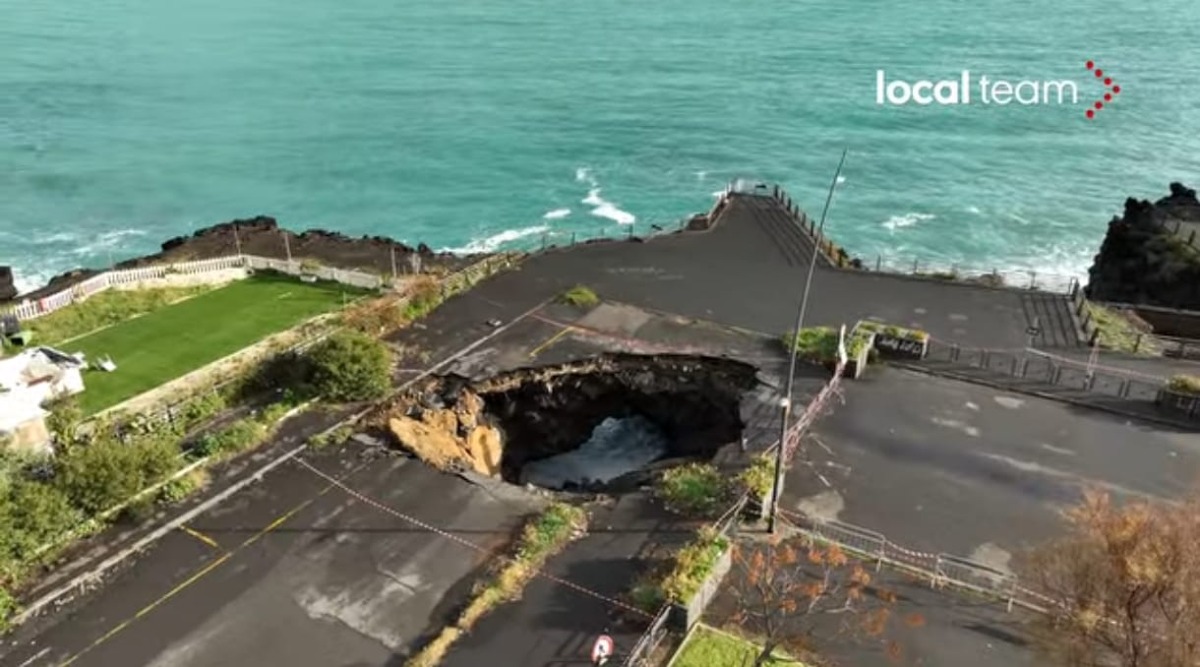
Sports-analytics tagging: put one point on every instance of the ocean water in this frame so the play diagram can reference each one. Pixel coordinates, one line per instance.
(617, 446)
(476, 125)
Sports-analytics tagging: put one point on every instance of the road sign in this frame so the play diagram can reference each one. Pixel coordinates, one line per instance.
(602, 650)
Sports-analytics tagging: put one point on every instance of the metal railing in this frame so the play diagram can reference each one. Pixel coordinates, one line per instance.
(1046, 368)
(1167, 346)
(640, 654)
(941, 569)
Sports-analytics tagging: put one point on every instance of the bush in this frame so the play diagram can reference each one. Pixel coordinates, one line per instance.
(350, 366)
(423, 297)
(180, 488)
(8, 608)
(64, 419)
(232, 439)
(695, 489)
(759, 478)
(32, 514)
(580, 296)
(688, 570)
(288, 371)
(106, 472)
(816, 344)
(1184, 384)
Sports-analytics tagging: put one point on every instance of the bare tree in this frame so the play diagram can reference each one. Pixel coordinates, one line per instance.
(782, 587)
(1125, 582)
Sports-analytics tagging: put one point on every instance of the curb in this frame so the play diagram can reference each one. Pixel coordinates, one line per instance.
(1138, 417)
(40, 605)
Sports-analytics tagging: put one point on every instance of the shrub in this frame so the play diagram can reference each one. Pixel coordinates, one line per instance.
(376, 316)
(64, 419)
(106, 472)
(1184, 384)
(288, 371)
(759, 477)
(232, 439)
(201, 408)
(580, 296)
(688, 570)
(180, 488)
(350, 366)
(817, 344)
(32, 514)
(423, 297)
(695, 489)
(8, 608)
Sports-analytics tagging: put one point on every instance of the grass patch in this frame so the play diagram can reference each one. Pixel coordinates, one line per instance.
(580, 296)
(687, 571)
(174, 340)
(695, 490)
(335, 437)
(708, 648)
(540, 539)
(1184, 384)
(1117, 332)
(104, 309)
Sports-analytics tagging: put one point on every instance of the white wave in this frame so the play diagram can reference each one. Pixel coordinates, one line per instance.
(975, 210)
(907, 220)
(718, 194)
(494, 242)
(584, 175)
(611, 212)
(1023, 221)
(106, 241)
(841, 179)
(27, 281)
(557, 214)
(701, 175)
(602, 208)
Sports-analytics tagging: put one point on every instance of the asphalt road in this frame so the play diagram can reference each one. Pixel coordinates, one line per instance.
(945, 466)
(292, 572)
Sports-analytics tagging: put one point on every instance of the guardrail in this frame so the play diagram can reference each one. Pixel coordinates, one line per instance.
(941, 569)
(31, 309)
(1050, 369)
(835, 255)
(639, 655)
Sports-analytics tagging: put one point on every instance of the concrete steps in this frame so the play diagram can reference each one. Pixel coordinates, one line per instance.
(1053, 315)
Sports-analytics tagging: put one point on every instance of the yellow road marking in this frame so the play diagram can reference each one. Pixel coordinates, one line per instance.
(200, 536)
(550, 341)
(204, 570)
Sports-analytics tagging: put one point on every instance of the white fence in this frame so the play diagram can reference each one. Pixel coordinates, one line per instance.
(32, 309)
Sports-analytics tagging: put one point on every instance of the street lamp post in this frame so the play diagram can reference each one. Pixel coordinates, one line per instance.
(786, 401)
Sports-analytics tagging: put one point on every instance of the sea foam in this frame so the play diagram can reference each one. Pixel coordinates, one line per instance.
(495, 241)
(907, 220)
(557, 214)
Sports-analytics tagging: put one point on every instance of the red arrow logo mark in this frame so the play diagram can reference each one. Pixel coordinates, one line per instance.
(1111, 90)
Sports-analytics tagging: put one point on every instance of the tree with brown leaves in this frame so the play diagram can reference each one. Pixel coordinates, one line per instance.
(1125, 585)
(781, 587)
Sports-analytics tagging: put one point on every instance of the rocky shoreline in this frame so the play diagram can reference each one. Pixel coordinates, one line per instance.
(264, 237)
(1151, 254)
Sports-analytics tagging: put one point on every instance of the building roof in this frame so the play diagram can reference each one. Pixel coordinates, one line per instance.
(35, 365)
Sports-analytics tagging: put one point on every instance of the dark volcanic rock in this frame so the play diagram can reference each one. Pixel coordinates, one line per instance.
(8, 290)
(1143, 260)
(262, 236)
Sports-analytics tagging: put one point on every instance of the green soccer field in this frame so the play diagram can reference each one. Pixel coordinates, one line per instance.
(162, 345)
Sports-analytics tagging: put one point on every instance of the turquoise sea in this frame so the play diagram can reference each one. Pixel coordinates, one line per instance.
(475, 124)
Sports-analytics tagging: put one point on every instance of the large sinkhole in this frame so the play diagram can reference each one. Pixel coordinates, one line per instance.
(593, 425)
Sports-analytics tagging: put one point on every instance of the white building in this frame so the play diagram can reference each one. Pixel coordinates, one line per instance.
(27, 381)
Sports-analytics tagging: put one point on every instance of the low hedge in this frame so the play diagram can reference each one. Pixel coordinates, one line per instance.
(695, 490)
(1184, 384)
(541, 538)
(580, 296)
(817, 344)
(688, 569)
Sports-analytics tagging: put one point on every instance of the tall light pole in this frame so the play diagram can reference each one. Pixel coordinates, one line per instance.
(786, 402)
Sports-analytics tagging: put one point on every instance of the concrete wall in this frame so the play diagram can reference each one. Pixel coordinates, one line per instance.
(187, 280)
(686, 615)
